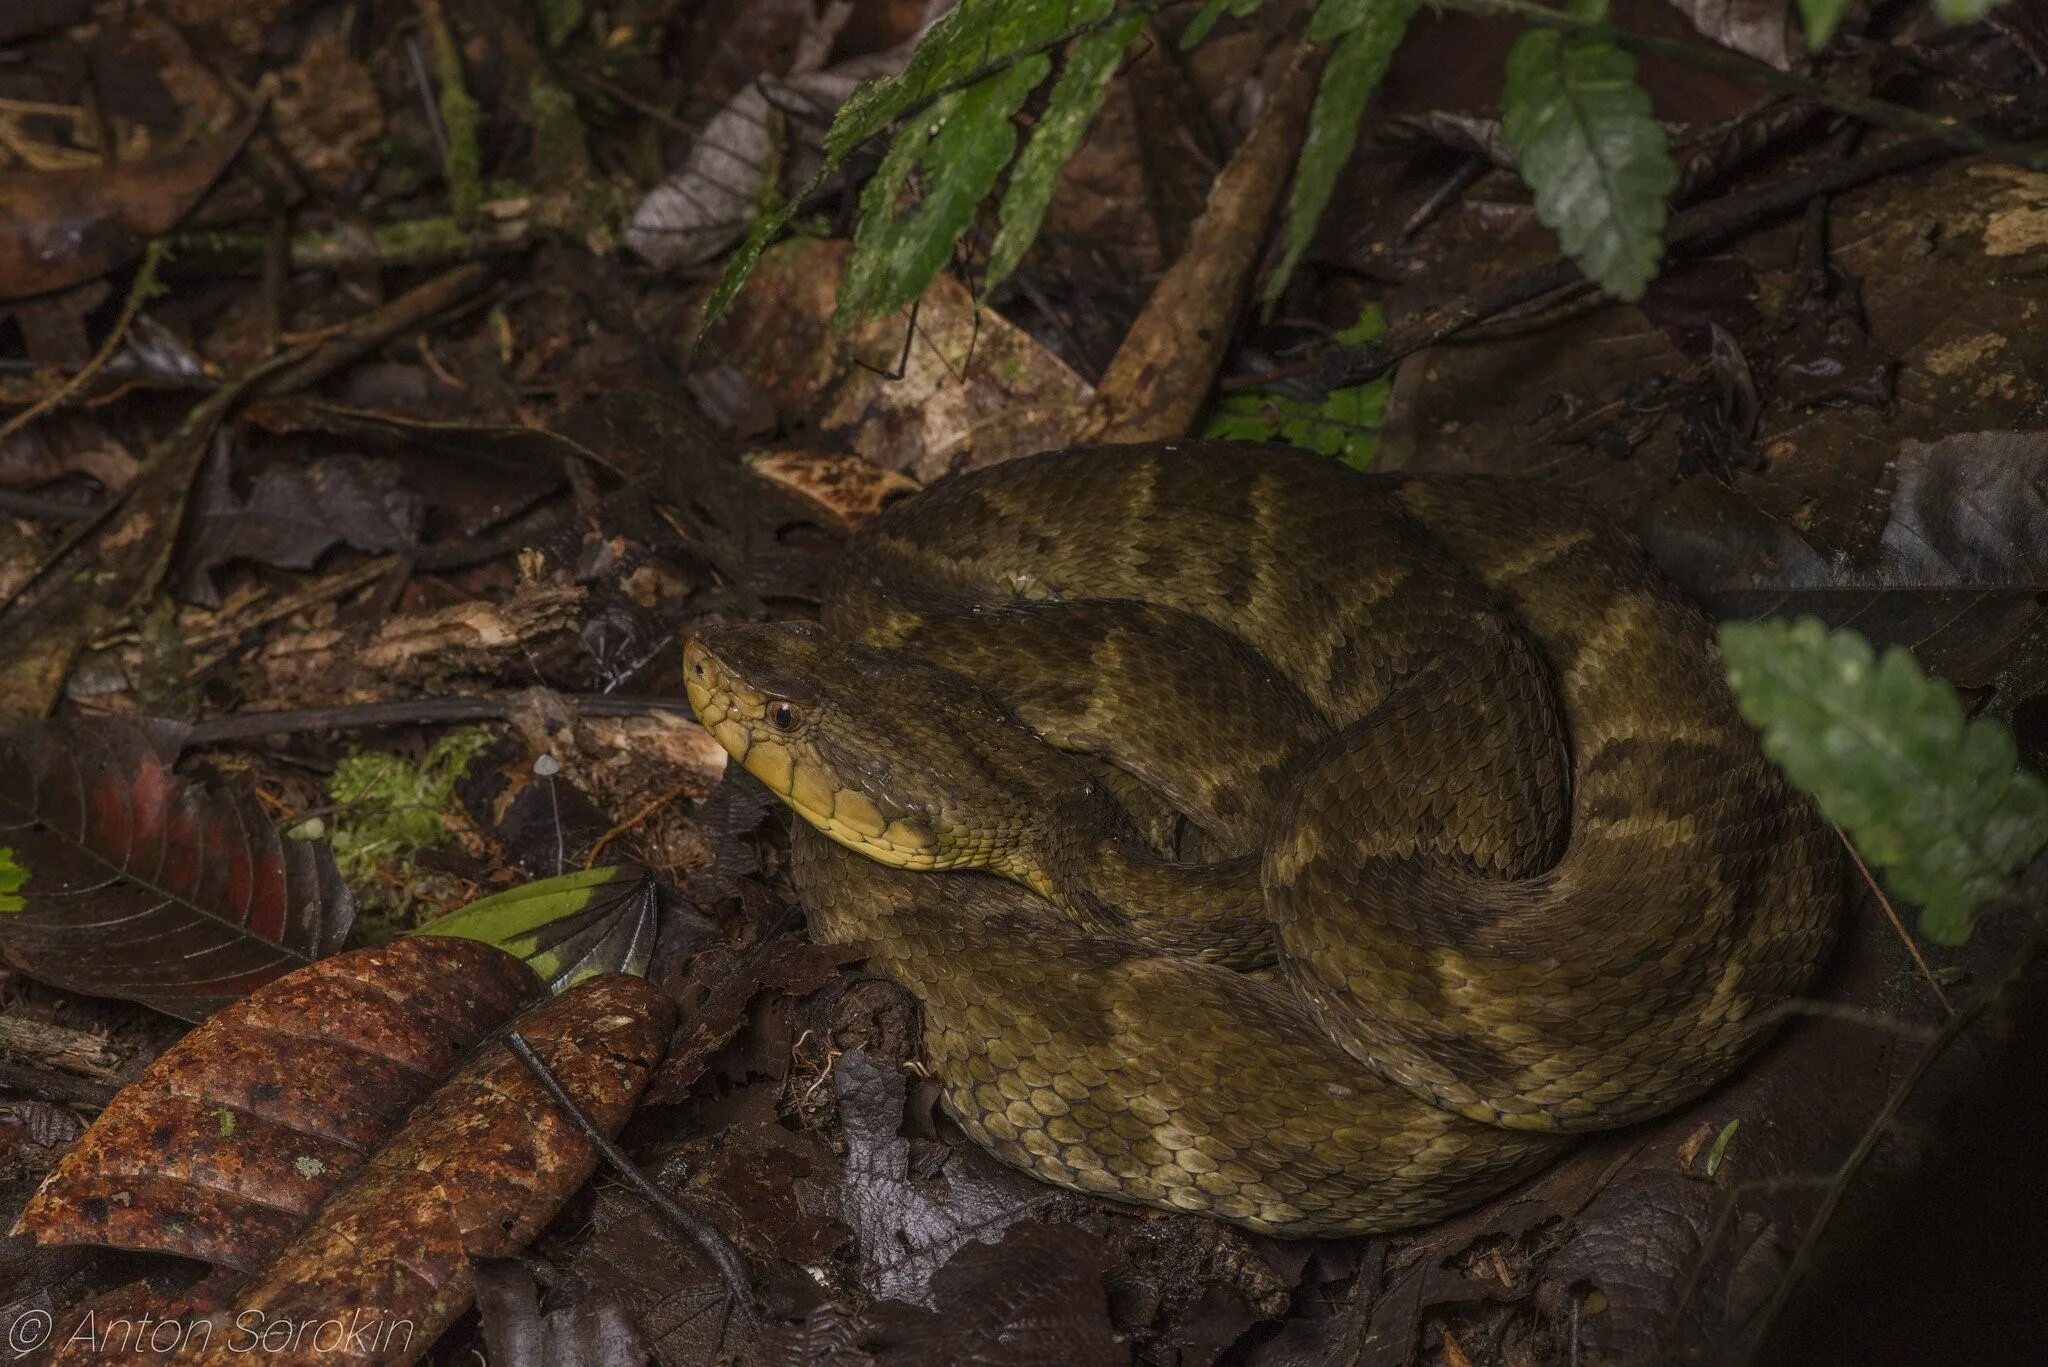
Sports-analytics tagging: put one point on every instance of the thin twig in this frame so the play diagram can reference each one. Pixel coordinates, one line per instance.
(18, 504)
(1898, 926)
(1850, 1015)
(1698, 227)
(1735, 66)
(631, 822)
(48, 1084)
(144, 286)
(714, 1244)
(411, 712)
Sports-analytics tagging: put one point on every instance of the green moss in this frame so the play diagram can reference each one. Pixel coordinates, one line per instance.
(560, 156)
(463, 165)
(387, 814)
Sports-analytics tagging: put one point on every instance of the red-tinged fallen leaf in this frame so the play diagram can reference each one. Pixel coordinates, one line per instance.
(145, 886)
(60, 227)
(479, 1168)
(231, 1139)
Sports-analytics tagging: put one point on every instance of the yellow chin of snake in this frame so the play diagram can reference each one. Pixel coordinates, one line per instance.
(740, 725)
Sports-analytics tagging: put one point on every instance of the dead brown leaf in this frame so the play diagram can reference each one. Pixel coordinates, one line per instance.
(58, 228)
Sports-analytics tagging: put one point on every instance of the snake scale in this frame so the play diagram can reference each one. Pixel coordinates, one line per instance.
(1313, 850)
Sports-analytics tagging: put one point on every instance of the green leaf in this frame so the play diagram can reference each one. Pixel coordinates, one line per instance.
(973, 37)
(1335, 18)
(567, 928)
(766, 228)
(1964, 11)
(1075, 98)
(1345, 424)
(1198, 28)
(1720, 1149)
(962, 144)
(1582, 133)
(1936, 800)
(1819, 18)
(1353, 73)
(13, 878)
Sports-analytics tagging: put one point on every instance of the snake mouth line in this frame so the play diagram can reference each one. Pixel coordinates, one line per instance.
(735, 714)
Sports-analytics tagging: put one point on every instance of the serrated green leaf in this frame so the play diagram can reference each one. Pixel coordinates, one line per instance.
(1198, 28)
(1819, 18)
(1345, 424)
(1582, 133)
(1374, 28)
(567, 928)
(974, 36)
(962, 144)
(766, 228)
(1936, 800)
(1075, 98)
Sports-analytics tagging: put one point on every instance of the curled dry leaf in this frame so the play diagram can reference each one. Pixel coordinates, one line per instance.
(707, 204)
(846, 490)
(60, 227)
(971, 388)
(143, 885)
(230, 1140)
(792, 967)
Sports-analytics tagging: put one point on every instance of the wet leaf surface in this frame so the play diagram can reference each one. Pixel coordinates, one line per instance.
(62, 226)
(912, 1216)
(232, 1138)
(145, 885)
(476, 1171)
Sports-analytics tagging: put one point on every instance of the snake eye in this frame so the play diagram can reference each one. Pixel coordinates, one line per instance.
(784, 716)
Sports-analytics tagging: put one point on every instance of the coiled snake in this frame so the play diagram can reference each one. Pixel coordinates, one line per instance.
(1314, 850)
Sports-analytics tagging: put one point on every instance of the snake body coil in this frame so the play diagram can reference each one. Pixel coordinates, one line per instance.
(1312, 850)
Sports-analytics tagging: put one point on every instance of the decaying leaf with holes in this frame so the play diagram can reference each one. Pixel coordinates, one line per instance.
(476, 1170)
(234, 1136)
(480, 1168)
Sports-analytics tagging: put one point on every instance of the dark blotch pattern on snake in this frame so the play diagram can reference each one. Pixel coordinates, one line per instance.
(1313, 850)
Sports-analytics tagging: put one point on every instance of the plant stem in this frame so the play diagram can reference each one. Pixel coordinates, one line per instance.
(144, 286)
(409, 712)
(1734, 65)
(462, 163)
(1994, 993)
